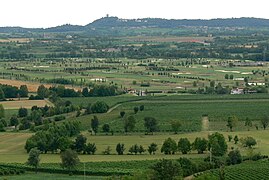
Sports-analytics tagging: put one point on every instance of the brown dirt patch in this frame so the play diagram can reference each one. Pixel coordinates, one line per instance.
(32, 86)
(21, 40)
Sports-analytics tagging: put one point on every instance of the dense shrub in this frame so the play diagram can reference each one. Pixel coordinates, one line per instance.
(59, 118)
(99, 107)
(5, 171)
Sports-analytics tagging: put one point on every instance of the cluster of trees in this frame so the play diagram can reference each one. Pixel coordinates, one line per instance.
(129, 122)
(216, 144)
(183, 50)
(80, 145)
(233, 121)
(100, 90)
(41, 115)
(53, 138)
(214, 89)
(8, 91)
(69, 159)
(3, 122)
(61, 91)
(15, 52)
(62, 142)
(57, 138)
(135, 149)
(219, 89)
(26, 119)
(183, 167)
(97, 107)
(166, 169)
(140, 108)
(38, 115)
(227, 76)
(60, 81)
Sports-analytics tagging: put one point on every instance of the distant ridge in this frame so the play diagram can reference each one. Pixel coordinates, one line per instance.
(115, 22)
(173, 23)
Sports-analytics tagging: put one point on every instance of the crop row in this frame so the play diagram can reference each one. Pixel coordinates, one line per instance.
(10, 171)
(91, 168)
(245, 171)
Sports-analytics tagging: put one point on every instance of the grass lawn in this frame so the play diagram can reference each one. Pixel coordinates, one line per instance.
(9, 113)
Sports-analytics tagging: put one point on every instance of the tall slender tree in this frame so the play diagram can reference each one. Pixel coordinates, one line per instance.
(33, 159)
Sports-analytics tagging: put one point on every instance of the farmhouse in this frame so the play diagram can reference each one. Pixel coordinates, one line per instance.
(131, 91)
(141, 93)
(237, 91)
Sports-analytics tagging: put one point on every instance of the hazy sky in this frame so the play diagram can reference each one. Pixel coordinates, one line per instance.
(48, 13)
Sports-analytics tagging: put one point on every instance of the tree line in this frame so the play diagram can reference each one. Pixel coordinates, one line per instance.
(61, 91)
(54, 137)
(8, 91)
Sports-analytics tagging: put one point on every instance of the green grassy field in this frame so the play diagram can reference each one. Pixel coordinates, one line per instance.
(10, 112)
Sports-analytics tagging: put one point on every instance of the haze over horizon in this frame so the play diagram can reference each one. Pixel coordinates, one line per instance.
(51, 13)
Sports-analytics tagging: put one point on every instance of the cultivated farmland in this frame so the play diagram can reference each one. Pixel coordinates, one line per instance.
(124, 97)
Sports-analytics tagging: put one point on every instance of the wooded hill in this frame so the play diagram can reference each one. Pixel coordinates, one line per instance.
(115, 22)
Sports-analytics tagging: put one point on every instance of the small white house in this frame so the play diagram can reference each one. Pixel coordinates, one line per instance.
(141, 93)
(237, 91)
